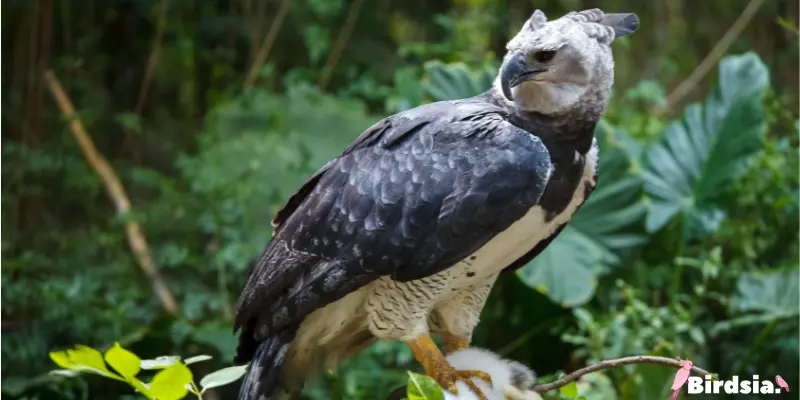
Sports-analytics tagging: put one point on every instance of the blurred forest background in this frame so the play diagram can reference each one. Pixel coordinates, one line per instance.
(211, 112)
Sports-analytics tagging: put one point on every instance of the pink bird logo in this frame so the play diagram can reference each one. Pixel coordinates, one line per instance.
(782, 383)
(680, 378)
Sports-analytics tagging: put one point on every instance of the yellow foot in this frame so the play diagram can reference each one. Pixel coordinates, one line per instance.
(453, 343)
(437, 367)
(448, 377)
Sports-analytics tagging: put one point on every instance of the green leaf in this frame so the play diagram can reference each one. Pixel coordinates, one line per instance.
(192, 360)
(123, 361)
(690, 167)
(423, 387)
(772, 292)
(764, 297)
(87, 356)
(455, 81)
(170, 383)
(62, 359)
(141, 387)
(223, 377)
(159, 362)
(570, 390)
(609, 224)
(84, 359)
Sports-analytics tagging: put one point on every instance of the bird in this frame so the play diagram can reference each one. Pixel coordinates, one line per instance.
(402, 236)
(680, 378)
(782, 383)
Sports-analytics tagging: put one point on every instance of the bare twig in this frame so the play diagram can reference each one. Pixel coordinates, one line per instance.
(266, 45)
(618, 362)
(150, 70)
(257, 20)
(340, 44)
(117, 193)
(152, 60)
(686, 87)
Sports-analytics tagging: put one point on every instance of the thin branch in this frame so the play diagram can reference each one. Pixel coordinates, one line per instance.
(116, 191)
(150, 70)
(341, 42)
(705, 66)
(618, 362)
(257, 20)
(266, 45)
(152, 60)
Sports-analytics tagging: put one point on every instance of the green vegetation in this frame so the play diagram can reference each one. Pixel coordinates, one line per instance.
(688, 248)
(173, 381)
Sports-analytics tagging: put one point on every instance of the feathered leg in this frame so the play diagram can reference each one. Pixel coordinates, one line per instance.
(459, 316)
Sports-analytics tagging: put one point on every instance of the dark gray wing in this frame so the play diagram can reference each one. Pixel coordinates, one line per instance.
(414, 194)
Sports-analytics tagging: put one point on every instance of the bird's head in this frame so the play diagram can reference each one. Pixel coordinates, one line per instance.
(551, 65)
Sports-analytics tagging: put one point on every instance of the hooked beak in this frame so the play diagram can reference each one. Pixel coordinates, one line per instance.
(514, 72)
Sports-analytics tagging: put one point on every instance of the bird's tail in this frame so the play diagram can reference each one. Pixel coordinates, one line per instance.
(261, 380)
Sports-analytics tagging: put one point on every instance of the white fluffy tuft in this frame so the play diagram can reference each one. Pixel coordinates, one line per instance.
(504, 373)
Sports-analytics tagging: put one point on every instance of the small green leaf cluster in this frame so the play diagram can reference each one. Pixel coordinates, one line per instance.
(173, 381)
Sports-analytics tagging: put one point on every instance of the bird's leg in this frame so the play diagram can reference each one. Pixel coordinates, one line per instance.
(436, 366)
(454, 343)
(458, 317)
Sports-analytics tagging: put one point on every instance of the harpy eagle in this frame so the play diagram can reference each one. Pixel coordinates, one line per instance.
(405, 232)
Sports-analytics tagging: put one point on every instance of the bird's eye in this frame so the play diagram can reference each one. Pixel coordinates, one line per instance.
(544, 56)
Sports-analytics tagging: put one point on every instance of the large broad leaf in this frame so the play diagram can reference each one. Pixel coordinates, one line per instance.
(762, 298)
(694, 161)
(607, 225)
(455, 81)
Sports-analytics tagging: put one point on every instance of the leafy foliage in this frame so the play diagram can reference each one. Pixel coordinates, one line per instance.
(173, 381)
(689, 168)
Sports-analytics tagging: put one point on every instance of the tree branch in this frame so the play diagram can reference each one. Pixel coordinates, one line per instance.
(618, 362)
(719, 49)
(116, 191)
(340, 44)
(266, 45)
